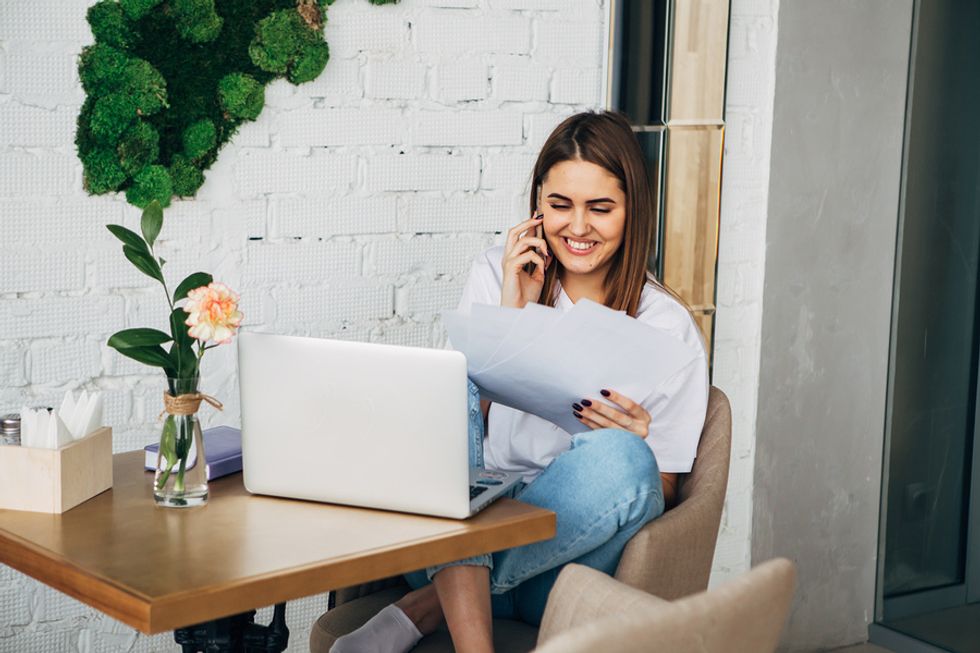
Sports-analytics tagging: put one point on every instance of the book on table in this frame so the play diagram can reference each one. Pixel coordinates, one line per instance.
(223, 449)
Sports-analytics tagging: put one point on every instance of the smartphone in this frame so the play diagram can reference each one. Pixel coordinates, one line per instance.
(538, 233)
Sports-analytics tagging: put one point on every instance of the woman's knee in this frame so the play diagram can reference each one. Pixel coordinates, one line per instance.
(619, 454)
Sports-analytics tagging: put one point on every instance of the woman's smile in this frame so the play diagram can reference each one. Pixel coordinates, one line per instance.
(579, 247)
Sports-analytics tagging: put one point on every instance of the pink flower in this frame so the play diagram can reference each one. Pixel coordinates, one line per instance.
(214, 313)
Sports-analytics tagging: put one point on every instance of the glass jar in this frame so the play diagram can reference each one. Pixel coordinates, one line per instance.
(181, 480)
(10, 429)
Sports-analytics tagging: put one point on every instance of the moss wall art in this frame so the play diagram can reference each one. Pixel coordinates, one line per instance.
(168, 82)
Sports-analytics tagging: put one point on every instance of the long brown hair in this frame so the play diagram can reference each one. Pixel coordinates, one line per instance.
(606, 139)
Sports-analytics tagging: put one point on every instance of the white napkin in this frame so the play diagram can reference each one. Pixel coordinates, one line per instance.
(42, 429)
(53, 429)
(82, 415)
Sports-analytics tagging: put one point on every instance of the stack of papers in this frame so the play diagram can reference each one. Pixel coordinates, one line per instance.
(540, 359)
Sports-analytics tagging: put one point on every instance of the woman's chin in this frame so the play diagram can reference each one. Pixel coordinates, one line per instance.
(578, 264)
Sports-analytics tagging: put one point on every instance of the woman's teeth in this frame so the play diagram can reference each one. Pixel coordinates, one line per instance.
(574, 244)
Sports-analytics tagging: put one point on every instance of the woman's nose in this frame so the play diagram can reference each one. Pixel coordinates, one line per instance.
(579, 225)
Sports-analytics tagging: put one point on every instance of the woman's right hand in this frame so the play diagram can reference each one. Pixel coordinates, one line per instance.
(523, 247)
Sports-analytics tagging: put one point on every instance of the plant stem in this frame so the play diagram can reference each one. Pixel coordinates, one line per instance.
(179, 483)
(163, 479)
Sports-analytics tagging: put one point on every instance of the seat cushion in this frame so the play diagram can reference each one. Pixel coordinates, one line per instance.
(508, 636)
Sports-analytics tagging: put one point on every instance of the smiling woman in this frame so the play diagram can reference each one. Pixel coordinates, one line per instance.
(599, 154)
(588, 237)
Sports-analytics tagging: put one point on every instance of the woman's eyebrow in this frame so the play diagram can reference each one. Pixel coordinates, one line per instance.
(595, 201)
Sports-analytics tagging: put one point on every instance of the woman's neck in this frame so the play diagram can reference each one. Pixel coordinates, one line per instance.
(581, 286)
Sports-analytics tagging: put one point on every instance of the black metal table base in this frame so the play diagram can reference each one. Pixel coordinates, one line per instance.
(236, 634)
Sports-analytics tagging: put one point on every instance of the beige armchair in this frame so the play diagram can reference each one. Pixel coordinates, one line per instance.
(670, 557)
(587, 611)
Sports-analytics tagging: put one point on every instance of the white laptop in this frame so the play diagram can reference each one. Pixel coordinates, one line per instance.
(359, 424)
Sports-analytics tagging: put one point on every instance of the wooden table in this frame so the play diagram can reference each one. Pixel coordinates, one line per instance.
(159, 569)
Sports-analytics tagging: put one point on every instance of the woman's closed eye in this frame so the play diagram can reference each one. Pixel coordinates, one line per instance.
(564, 207)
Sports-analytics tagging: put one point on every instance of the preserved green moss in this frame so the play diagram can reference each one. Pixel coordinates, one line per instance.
(199, 138)
(241, 96)
(109, 24)
(169, 82)
(151, 183)
(102, 172)
(111, 116)
(196, 20)
(102, 69)
(186, 177)
(139, 147)
(285, 43)
(136, 9)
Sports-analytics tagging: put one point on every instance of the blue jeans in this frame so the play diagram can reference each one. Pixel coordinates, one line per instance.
(603, 490)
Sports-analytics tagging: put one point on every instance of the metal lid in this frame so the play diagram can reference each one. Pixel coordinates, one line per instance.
(10, 423)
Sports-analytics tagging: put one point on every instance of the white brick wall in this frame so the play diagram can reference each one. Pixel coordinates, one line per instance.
(741, 260)
(351, 208)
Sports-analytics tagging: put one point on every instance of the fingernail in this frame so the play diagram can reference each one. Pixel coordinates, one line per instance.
(604, 393)
(539, 216)
(576, 407)
(577, 414)
(586, 402)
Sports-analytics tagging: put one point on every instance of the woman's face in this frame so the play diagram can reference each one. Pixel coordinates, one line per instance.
(584, 216)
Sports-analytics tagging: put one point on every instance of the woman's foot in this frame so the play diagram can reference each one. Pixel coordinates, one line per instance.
(423, 608)
(389, 631)
(397, 628)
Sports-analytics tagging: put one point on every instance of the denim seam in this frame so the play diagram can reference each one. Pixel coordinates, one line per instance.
(506, 587)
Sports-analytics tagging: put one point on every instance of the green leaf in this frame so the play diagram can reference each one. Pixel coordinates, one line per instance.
(144, 263)
(150, 355)
(168, 441)
(195, 280)
(182, 350)
(162, 261)
(129, 338)
(130, 238)
(152, 221)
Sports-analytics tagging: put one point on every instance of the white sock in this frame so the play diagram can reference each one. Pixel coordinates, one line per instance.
(389, 631)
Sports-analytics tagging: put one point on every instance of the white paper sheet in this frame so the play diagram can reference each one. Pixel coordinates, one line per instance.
(540, 360)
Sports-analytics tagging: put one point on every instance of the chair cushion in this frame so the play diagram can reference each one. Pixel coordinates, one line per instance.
(508, 636)
(746, 614)
(582, 595)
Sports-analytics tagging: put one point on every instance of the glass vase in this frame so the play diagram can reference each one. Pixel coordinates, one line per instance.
(181, 479)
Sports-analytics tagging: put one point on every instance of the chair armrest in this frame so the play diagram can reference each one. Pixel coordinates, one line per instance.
(582, 595)
(671, 556)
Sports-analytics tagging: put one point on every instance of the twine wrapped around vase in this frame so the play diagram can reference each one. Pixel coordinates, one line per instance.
(187, 404)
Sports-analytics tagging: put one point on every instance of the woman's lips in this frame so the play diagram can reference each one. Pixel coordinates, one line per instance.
(579, 252)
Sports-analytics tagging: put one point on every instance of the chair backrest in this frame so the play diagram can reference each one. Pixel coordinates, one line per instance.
(671, 556)
(709, 475)
(746, 614)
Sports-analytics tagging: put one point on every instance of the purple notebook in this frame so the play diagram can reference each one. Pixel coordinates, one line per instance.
(223, 445)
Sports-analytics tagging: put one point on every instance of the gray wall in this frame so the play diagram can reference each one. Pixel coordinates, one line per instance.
(841, 70)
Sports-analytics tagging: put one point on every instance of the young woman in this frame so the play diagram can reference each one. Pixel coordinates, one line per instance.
(589, 237)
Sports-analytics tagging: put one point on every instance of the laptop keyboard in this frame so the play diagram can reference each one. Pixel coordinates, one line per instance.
(476, 490)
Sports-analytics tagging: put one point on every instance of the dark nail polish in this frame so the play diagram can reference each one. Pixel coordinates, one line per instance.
(604, 393)
(539, 216)
(577, 407)
(577, 414)
(586, 402)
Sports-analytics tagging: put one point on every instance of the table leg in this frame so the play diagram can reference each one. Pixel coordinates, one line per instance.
(236, 634)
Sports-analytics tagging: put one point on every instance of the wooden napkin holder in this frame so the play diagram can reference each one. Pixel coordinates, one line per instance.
(56, 480)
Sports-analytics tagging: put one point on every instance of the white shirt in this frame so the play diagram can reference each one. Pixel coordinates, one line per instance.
(520, 442)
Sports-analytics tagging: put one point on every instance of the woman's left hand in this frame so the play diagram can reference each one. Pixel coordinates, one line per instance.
(627, 415)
